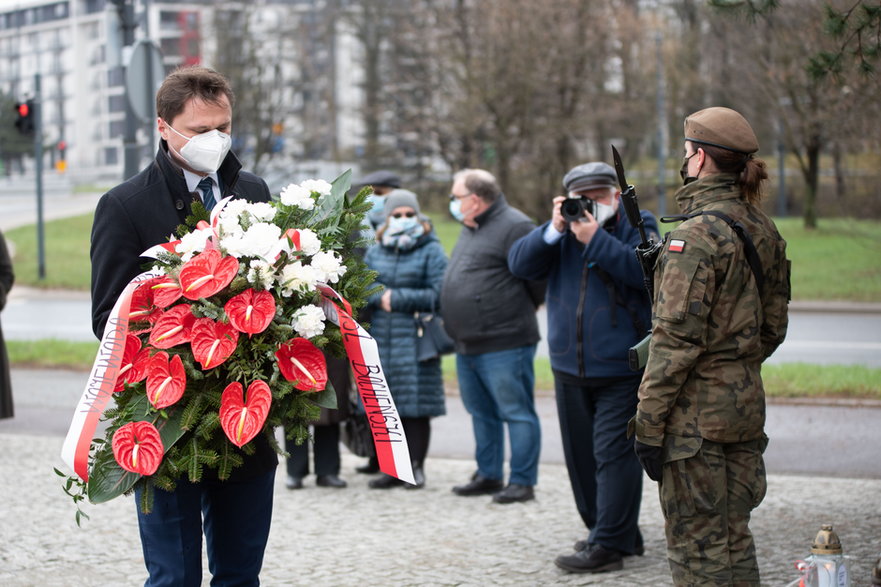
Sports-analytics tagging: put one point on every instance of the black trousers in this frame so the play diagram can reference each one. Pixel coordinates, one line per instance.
(325, 452)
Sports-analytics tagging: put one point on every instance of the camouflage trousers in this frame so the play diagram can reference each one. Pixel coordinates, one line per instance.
(707, 499)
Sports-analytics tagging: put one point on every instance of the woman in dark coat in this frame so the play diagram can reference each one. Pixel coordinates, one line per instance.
(410, 262)
(6, 279)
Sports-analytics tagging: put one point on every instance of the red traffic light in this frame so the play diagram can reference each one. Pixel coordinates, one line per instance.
(23, 109)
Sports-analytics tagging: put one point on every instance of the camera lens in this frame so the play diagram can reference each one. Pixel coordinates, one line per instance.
(573, 209)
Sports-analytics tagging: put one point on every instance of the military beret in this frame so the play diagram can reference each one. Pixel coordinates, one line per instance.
(721, 127)
(397, 198)
(381, 177)
(588, 176)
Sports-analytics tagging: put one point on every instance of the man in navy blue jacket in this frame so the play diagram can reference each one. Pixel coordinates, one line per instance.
(597, 309)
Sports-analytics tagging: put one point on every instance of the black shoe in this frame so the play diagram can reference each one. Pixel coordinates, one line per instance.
(593, 559)
(369, 469)
(638, 551)
(479, 485)
(384, 482)
(418, 477)
(294, 482)
(330, 481)
(514, 493)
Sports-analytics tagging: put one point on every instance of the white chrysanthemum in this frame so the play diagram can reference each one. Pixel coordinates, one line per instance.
(192, 243)
(295, 195)
(330, 265)
(309, 321)
(260, 240)
(309, 242)
(262, 211)
(261, 274)
(317, 185)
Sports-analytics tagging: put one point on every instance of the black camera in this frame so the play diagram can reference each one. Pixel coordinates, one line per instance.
(573, 208)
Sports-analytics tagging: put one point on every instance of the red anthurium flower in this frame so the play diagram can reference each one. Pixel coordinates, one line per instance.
(251, 311)
(242, 419)
(172, 327)
(166, 291)
(137, 447)
(213, 342)
(206, 274)
(166, 380)
(300, 361)
(143, 306)
(134, 363)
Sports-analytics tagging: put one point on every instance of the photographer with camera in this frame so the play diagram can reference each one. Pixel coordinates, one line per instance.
(597, 309)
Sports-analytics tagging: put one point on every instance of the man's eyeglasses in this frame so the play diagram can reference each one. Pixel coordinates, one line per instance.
(455, 197)
(403, 214)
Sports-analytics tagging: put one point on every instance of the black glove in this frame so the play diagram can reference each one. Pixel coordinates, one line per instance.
(651, 458)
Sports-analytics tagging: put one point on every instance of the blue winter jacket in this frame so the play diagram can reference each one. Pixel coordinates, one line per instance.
(596, 301)
(415, 277)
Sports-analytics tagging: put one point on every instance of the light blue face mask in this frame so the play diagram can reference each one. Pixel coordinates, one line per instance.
(404, 225)
(456, 209)
(376, 215)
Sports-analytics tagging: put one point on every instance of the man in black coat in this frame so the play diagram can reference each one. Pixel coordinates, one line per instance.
(194, 107)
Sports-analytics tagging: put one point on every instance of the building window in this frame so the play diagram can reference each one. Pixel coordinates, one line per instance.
(111, 155)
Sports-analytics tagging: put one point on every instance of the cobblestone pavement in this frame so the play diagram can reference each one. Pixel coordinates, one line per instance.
(423, 537)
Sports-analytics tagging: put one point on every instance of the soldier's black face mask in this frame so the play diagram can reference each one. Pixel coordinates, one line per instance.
(683, 171)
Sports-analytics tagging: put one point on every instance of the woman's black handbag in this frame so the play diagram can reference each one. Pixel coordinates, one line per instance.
(432, 340)
(356, 435)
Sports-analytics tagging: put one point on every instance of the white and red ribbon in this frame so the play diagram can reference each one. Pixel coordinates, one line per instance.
(101, 382)
(389, 440)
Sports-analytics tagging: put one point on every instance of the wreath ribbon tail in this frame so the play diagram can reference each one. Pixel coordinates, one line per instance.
(101, 382)
(389, 439)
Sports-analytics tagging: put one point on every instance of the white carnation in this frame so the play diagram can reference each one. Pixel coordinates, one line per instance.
(261, 274)
(192, 243)
(295, 195)
(260, 240)
(309, 242)
(262, 211)
(309, 321)
(298, 277)
(317, 185)
(330, 265)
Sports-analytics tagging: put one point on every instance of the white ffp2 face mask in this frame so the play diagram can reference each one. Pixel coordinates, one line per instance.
(204, 152)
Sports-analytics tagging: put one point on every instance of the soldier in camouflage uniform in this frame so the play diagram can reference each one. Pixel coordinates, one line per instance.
(700, 420)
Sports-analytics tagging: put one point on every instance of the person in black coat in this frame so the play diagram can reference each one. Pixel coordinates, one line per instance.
(194, 107)
(7, 277)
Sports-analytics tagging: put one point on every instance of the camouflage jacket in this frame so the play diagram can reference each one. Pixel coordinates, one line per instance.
(710, 328)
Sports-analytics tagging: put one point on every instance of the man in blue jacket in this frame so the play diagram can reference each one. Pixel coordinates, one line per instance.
(597, 309)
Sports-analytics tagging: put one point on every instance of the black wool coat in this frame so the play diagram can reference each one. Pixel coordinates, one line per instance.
(145, 211)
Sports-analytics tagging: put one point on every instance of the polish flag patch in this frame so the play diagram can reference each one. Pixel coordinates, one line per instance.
(676, 245)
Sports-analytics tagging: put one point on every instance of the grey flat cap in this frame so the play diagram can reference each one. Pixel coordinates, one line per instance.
(381, 177)
(588, 176)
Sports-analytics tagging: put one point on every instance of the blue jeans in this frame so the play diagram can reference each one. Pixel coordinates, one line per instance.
(605, 474)
(497, 389)
(237, 517)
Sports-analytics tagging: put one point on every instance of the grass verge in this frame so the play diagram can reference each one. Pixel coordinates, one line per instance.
(781, 380)
(839, 260)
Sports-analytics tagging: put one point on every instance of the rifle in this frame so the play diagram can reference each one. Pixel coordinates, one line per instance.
(646, 253)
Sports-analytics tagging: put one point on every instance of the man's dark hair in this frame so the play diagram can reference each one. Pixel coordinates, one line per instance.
(186, 83)
(480, 182)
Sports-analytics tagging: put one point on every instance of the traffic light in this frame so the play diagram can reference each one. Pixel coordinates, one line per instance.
(24, 122)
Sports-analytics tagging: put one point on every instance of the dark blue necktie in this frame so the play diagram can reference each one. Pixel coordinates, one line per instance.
(206, 187)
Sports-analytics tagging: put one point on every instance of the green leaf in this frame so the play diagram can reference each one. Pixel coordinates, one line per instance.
(325, 398)
(107, 479)
(330, 206)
